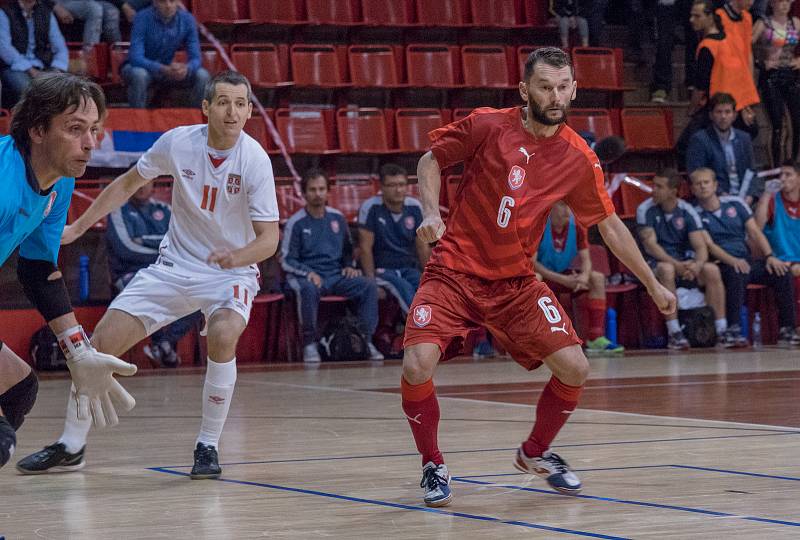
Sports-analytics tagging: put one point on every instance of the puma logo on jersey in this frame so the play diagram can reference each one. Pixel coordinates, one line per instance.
(382, 221)
(306, 231)
(598, 166)
(562, 328)
(527, 155)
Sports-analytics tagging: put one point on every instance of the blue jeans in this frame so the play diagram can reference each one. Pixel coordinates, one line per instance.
(14, 83)
(402, 283)
(139, 81)
(360, 290)
(98, 16)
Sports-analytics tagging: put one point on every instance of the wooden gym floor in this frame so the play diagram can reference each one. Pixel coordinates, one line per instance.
(702, 445)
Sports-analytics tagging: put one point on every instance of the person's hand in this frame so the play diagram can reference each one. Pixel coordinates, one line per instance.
(70, 234)
(695, 269)
(431, 229)
(62, 14)
(129, 12)
(663, 298)
(350, 272)
(314, 278)
(223, 257)
(741, 266)
(581, 282)
(179, 70)
(34, 72)
(682, 267)
(96, 389)
(748, 115)
(776, 266)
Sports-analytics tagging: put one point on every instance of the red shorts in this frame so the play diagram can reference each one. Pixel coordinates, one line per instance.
(522, 314)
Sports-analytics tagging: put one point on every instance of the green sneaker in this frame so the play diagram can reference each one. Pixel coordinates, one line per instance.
(603, 345)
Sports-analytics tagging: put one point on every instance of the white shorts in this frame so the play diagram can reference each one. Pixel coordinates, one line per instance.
(158, 295)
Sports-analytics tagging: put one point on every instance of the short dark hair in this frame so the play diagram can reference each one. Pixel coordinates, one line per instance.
(673, 178)
(392, 169)
(48, 96)
(228, 77)
(721, 98)
(793, 164)
(311, 174)
(552, 56)
(695, 172)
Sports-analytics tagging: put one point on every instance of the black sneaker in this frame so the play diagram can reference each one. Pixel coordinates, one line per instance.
(206, 463)
(788, 337)
(677, 341)
(53, 458)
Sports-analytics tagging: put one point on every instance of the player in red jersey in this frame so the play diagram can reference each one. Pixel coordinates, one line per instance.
(517, 163)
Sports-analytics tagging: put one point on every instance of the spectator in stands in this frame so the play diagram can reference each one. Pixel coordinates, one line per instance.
(129, 8)
(134, 234)
(724, 149)
(159, 31)
(562, 241)
(672, 235)
(390, 249)
(728, 222)
(737, 22)
(778, 213)
(667, 14)
(100, 18)
(775, 38)
(316, 254)
(30, 43)
(571, 15)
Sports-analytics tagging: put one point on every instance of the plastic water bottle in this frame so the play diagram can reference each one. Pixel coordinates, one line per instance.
(611, 325)
(83, 278)
(757, 343)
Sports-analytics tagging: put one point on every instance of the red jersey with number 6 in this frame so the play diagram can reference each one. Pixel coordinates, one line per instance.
(511, 180)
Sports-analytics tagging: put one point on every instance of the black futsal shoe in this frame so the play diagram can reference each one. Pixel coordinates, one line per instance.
(206, 463)
(53, 458)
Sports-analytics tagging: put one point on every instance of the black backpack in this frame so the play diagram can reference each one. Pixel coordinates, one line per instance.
(45, 352)
(698, 326)
(343, 340)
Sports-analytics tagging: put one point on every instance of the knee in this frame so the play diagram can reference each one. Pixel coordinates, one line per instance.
(597, 282)
(201, 77)
(418, 364)
(224, 330)
(665, 272)
(308, 291)
(574, 372)
(18, 400)
(711, 273)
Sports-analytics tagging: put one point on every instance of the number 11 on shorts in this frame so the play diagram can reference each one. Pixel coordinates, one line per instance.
(209, 198)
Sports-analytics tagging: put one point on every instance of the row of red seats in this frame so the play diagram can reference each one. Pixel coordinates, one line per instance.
(395, 13)
(270, 65)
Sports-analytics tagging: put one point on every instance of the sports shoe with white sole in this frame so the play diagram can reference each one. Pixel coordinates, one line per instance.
(552, 468)
(51, 459)
(436, 485)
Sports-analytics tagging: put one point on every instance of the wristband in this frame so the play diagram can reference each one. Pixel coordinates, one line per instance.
(73, 342)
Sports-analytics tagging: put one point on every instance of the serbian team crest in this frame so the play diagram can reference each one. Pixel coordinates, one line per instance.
(516, 177)
(234, 184)
(335, 226)
(422, 315)
(679, 223)
(50, 201)
(409, 221)
(731, 212)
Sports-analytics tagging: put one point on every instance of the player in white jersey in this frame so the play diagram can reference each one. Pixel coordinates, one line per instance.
(224, 221)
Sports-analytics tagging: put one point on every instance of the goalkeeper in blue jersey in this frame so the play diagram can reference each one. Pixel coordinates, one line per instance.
(53, 131)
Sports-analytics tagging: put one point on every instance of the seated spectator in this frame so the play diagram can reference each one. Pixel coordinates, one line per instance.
(571, 16)
(100, 18)
(390, 250)
(30, 43)
(159, 31)
(672, 235)
(724, 149)
(134, 234)
(316, 254)
(728, 222)
(778, 213)
(562, 241)
(129, 8)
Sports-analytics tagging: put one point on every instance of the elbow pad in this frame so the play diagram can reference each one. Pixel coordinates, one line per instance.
(49, 296)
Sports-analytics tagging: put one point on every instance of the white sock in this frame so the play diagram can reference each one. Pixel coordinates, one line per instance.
(673, 326)
(217, 394)
(721, 325)
(75, 431)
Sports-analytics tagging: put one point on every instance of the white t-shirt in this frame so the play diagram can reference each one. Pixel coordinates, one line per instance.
(212, 207)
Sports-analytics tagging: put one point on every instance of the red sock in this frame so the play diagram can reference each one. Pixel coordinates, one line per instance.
(552, 412)
(597, 317)
(422, 410)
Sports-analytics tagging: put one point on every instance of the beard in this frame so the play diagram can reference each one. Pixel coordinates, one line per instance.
(540, 115)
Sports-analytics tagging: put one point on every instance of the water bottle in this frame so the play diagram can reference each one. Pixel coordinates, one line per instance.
(611, 325)
(757, 343)
(744, 322)
(83, 278)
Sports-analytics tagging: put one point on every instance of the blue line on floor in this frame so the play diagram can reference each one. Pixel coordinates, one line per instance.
(728, 471)
(631, 502)
(403, 506)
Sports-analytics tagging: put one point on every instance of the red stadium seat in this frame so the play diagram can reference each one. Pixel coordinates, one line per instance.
(5, 121)
(221, 11)
(348, 197)
(631, 196)
(281, 12)
(598, 68)
(117, 56)
(255, 128)
(318, 65)
(335, 12)
(82, 198)
(383, 13)
(433, 65)
(485, 66)
(96, 60)
(373, 65)
(536, 13)
(264, 64)
(502, 13)
(413, 126)
(288, 200)
(597, 121)
(647, 129)
(442, 12)
(209, 56)
(307, 130)
(362, 130)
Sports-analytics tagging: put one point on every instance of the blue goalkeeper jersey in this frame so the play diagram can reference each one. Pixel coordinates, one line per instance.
(30, 219)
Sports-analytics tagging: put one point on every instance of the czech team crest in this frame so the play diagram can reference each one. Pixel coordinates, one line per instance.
(234, 184)
(335, 226)
(515, 177)
(678, 222)
(731, 211)
(50, 202)
(409, 221)
(422, 315)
